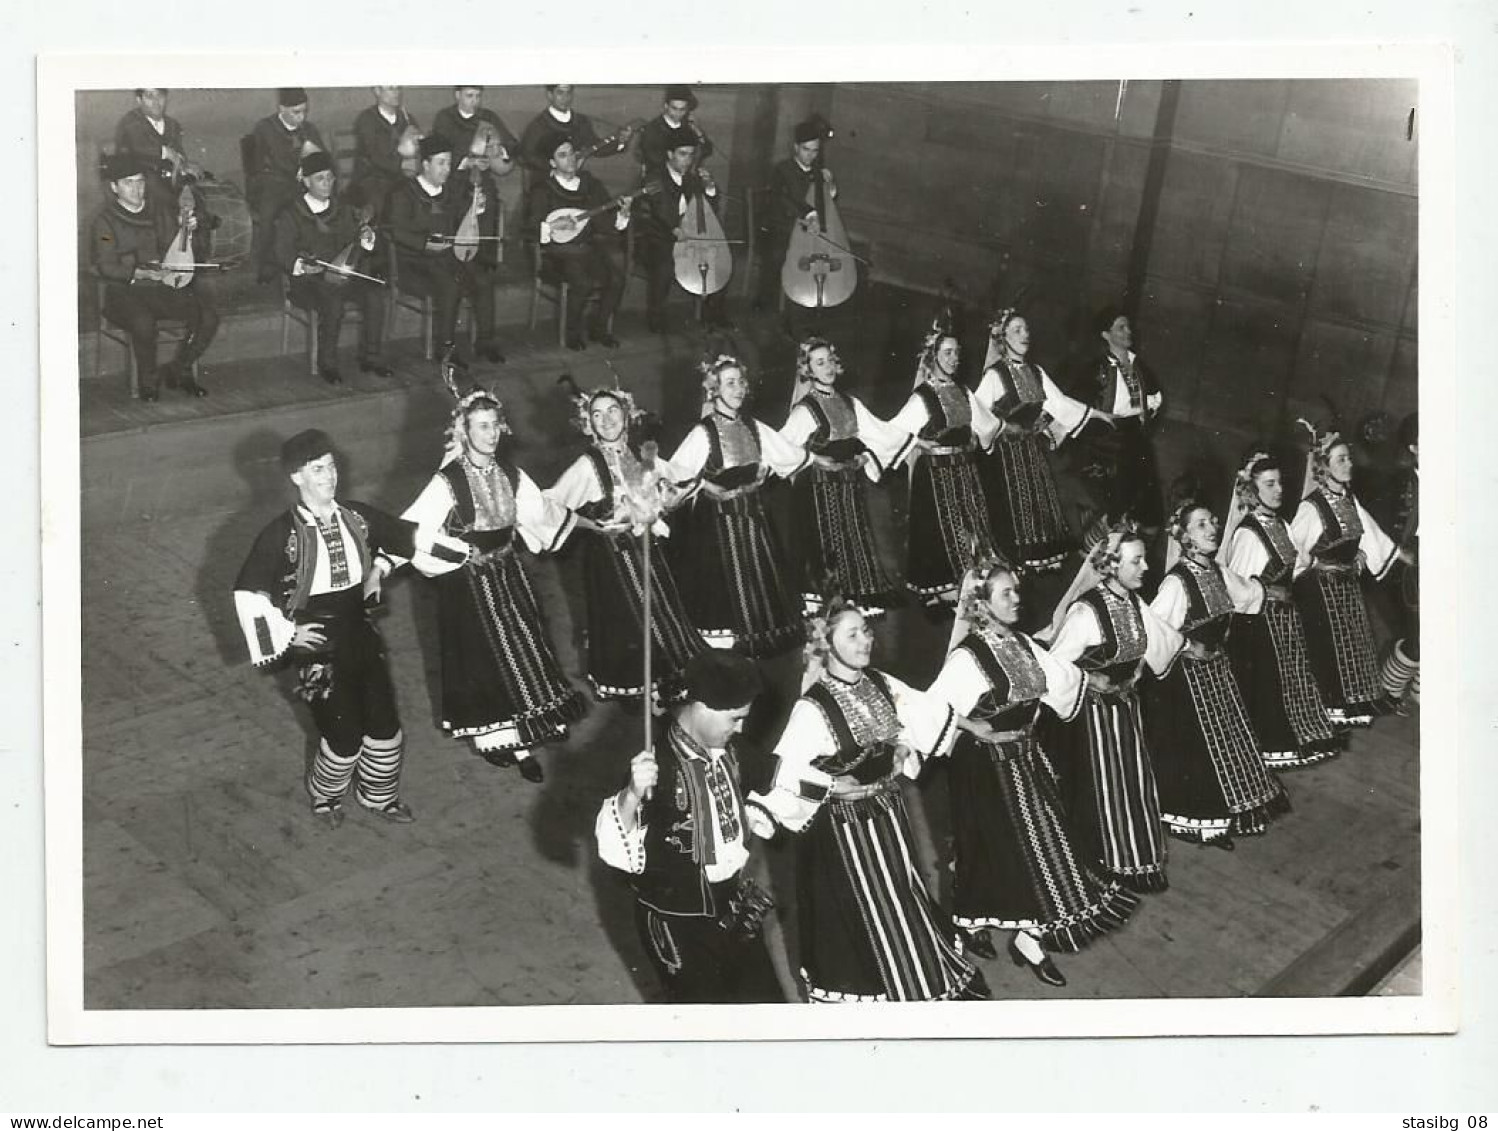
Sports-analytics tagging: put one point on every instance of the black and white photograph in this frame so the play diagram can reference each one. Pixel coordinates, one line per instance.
(561, 561)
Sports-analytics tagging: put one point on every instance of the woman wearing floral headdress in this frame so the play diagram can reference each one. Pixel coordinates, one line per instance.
(1108, 778)
(502, 686)
(732, 573)
(1014, 865)
(1023, 506)
(850, 447)
(948, 512)
(1268, 647)
(1213, 783)
(869, 931)
(1336, 540)
(620, 490)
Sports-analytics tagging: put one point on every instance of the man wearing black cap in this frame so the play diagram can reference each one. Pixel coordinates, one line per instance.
(379, 132)
(681, 830)
(789, 183)
(672, 129)
(423, 214)
(127, 238)
(677, 184)
(301, 596)
(310, 234)
(589, 260)
(560, 118)
(277, 147)
(151, 135)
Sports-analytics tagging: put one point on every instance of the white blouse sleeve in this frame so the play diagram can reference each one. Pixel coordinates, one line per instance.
(1162, 642)
(797, 789)
(799, 425)
(960, 683)
(1171, 602)
(1247, 556)
(1305, 532)
(436, 553)
(1247, 596)
(1379, 551)
(543, 524)
(1079, 631)
(577, 486)
(782, 457)
(887, 443)
(1065, 686)
(1068, 416)
(691, 454)
(990, 388)
(928, 722)
(913, 415)
(985, 425)
(617, 848)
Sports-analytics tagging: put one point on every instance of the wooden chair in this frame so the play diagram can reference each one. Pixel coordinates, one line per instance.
(168, 331)
(421, 305)
(544, 278)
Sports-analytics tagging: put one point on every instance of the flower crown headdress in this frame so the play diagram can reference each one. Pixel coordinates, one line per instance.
(972, 605)
(1105, 556)
(582, 404)
(712, 369)
(474, 400)
(1243, 483)
(942, 328)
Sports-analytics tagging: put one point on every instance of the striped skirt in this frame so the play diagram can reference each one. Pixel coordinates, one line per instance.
(868, 929)
(1268, 652)
(834, 504)
(1211, 778)
(1339, 642)
(1024, 509)
(947, 512)
(1014, 864)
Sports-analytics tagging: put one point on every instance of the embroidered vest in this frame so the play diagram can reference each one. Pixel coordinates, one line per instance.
(951, 416)
(1274, 535)
(836, 436)
(1209, 608)
(863, 723)
(1015, 680)
(733, 451)
(1341, 528)
(1124, 640)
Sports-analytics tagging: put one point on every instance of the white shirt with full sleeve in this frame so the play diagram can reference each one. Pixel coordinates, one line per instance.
(1306, 529)
(1067, 415)
(886, 443)
(776, 454)
(962, 682)
(542, 524)
(1172, 602)
(914, 416)
(1080, 631)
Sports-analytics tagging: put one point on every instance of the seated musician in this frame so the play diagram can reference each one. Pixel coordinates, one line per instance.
(789, 183)
(458, 122)
(310, 235)
(378, 131)
(559, 118)
(423, 214)
(674, 127)
(154, 138)
(661, 218)
(589, 260)
(277, 145)
(127, 239)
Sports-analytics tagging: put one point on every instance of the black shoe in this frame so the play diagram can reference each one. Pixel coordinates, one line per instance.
(375, 366)
(1044, 970)
(192, 388)
(977, 942)
(607, 340)
(531, 771)
(976, 989)
(504, 759)
(1223, 842)
(491, 353)
(329, 374)
(149, 396)
(576, 344)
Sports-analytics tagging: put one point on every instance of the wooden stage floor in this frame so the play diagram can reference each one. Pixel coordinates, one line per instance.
(208, 885)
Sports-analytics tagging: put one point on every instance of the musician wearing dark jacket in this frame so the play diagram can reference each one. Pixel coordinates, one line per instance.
(423, 215)
(674, 127)
(127, 239)
(311, 233)
(154, 138)
(277, 147)
(559, 118)
(588, 258)
(681, 830)
(459, 121)
(676, 186)
(790, 182)
(379, 131)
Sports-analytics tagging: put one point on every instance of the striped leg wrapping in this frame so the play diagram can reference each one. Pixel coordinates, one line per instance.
(1399, 672)
(380, 770)
(329, 779)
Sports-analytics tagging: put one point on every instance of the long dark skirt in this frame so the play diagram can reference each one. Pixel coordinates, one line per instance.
(869, 930)
(1024, 508)
(732, 576)
(947, 510)
(1015, 868)
(1268, 651)
(1339, 642)
(613, 566)
(1108, 786)
(498, 667)
(834, 536)
(1211, 779)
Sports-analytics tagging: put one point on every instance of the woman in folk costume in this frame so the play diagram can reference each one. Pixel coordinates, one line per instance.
(1336, 539)
(1024, 507)
(502, 686)
(948, 511)
(1014, 865)
(621, 490)
(1213, 783)
(869, 931)
(1103, 627)
(850, 448)
(733, 575)
(1268, 647)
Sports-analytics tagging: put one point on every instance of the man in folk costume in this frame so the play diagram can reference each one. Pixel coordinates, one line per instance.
(277, 146)
(672, 129)
(790, 181)
(681, 830)
(384, 135)
(678, 181)
(558, 118)
(301, 596)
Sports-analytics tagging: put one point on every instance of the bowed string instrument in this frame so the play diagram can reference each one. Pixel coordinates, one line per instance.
(819, 270)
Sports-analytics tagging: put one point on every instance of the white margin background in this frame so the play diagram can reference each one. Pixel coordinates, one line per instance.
(1404, 1073)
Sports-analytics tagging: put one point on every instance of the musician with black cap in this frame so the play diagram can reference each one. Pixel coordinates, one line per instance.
(423, 214)
(277, 146)
(673, 128)
(153, 136)
(681, 830)
(560, 118)
(127, 238)
(790, 181)
(586, 253)
(311, 234)
(301, 597)
(677, 182)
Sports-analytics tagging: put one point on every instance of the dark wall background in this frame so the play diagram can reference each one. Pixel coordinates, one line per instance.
(1264, 230)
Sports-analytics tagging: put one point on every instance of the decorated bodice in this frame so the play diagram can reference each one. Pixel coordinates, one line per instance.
(950, 416)
(836, 436)
(484, 500)
(1122, 626)
(1273, 534)
(733, 451)
(862, 719)
(1341, 526)
(1209, 607)
(1023, 399)
(1015, 679)
(618, 470)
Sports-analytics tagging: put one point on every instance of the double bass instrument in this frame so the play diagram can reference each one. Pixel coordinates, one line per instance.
(819, 268)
